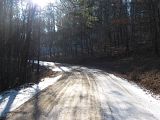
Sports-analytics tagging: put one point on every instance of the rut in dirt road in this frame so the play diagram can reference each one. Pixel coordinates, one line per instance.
(89, 94)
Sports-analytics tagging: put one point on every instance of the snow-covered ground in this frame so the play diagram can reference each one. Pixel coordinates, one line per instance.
(55, 67)
(126, 100)
(85, 94)
(12, 99)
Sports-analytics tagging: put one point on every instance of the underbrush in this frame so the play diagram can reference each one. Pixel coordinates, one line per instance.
(144, 71)
(33, 77)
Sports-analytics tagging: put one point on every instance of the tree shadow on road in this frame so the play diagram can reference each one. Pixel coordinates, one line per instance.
(11, 97)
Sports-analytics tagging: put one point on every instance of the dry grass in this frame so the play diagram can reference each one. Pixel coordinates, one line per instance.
(151, 80)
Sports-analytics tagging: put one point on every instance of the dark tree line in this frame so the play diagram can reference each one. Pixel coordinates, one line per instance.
(72, 28)
(22, 32)
(109, 27)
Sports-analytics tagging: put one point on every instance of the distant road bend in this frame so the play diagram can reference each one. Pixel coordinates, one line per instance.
(89, 94)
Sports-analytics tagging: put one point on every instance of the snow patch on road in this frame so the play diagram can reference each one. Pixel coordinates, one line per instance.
(119, 99)
(145, 99)
(61, 69)
(123, 100)
(12, 99)
(54, 67)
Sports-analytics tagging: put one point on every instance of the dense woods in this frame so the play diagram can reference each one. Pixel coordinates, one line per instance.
(109, 27)
(73, 28)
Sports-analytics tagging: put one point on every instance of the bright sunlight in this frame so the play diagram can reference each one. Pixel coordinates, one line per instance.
(42, 3)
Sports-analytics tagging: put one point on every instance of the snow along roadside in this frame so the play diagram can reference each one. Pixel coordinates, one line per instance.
(12, 99)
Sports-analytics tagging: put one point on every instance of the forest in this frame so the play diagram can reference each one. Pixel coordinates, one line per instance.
(79, 59)
(73, 29)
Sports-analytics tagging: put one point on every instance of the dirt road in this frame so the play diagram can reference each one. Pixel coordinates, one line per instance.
(89, 94)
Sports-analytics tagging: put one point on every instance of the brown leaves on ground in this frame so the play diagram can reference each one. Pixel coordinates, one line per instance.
(151, 80)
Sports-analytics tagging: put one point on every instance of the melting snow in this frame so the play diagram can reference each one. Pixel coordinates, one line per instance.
(12, 99)
(119, 98)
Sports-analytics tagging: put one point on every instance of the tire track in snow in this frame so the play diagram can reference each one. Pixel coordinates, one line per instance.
(122, 106)
(85, 94)
(94, 98)
(106, 113)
